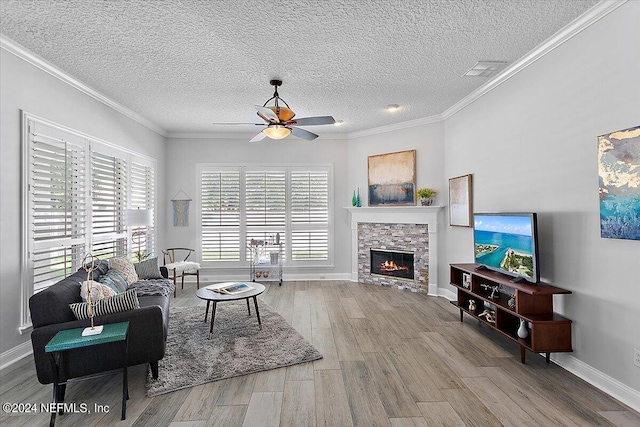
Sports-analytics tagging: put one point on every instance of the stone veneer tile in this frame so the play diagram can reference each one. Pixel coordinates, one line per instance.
(402, 237)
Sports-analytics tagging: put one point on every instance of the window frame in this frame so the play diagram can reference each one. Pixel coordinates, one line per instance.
(287, 168)
(89, 143)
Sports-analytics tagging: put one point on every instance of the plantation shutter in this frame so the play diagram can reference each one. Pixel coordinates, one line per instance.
(56, 203)
(220, 215)
(265, 205)
(310, 215)
(143, 197)
(109, 204)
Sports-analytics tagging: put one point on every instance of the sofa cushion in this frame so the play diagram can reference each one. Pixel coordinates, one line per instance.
(115, 281)
(163, 303)
(50, 305)
(124, 267)
(98, 291)
(148, 269)
(117, 303)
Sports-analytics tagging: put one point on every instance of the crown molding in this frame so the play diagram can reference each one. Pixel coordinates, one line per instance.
(396, 126)
(597, 12)
(26, 55)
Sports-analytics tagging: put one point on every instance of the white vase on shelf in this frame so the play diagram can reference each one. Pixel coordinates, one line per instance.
(522, 330)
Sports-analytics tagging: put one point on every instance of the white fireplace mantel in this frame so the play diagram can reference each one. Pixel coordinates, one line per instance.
(398, 215)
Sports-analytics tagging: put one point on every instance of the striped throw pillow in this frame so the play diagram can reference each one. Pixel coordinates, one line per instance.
(148, 269)
(115, 281)
(117, 303)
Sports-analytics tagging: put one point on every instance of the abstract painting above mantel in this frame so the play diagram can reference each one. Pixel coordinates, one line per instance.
(392, 179)
(619, 173)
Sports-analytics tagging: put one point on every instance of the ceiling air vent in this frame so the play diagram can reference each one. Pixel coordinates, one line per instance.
(486, 69)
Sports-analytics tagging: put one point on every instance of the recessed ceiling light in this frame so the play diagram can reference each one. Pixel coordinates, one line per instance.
(392, 107)
(486, 69)
(338, 122)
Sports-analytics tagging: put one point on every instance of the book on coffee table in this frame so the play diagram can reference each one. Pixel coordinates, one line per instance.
(231, 288)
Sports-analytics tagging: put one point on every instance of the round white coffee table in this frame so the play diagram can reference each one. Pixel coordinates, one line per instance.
(216, 297)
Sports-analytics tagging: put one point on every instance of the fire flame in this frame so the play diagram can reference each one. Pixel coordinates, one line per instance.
(392, 266)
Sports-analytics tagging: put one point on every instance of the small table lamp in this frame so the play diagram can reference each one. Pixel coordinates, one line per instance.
(139, 218)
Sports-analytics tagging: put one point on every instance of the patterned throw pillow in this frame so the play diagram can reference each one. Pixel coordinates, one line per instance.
(115, 281)
(124, 267)
(117, 303)
(148, 269)
(98, 290)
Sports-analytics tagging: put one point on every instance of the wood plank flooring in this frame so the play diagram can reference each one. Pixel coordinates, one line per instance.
(391, 358)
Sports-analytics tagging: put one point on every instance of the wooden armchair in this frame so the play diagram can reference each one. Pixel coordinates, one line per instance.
(178, 266)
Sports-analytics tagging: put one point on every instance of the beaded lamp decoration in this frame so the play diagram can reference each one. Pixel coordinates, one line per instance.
(89, 264)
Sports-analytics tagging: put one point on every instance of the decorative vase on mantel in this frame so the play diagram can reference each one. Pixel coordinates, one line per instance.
(426, 202)
(354, 200)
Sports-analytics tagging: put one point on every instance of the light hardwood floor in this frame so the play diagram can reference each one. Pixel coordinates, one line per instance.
(391, 358)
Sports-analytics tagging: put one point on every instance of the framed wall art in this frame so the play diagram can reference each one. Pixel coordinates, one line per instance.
(392, 179)
(619, 175)
(460, 209)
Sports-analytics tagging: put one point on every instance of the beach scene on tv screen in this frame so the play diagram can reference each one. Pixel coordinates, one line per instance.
(504, 242)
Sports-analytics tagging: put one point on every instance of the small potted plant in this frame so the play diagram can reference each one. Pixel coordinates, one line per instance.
(426, 196)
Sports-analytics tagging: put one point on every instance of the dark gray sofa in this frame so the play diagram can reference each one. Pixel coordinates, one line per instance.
(50, 313)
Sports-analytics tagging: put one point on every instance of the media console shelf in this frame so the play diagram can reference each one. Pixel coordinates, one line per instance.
(548, 332)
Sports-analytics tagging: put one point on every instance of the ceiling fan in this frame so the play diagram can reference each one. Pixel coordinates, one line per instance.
(280, 119)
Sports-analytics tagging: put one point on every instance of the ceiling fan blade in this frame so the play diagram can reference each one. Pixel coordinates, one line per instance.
(267, 114)
(237, 123)
(304, 134)
(258, 138)
(310, 121)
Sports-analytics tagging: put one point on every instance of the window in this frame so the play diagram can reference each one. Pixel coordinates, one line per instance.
(142, 196)
(76, 193)
(56, 240)
(220, 215)
(109, 204)
(265, 205)
(310, 215)
(242, 203)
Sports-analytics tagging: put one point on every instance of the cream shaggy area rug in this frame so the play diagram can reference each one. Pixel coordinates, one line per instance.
(238, 346)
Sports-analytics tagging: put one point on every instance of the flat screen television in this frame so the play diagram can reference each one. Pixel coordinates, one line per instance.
(507, 243)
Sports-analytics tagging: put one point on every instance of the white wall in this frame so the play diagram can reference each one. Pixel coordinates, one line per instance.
(26, 87)
(427, 140)
(183, 155)
(531, 145)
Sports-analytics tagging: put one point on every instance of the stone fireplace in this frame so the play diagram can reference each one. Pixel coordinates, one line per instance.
(401, 231)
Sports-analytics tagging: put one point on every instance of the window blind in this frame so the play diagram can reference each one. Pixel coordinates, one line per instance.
(310, 215)
(109, 204)
(220, 215)
(250, 202)
(265, 205)
(57, 205)
(143, 197)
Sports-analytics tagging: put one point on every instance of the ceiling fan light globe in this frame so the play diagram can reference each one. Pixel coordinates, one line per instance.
(276, 131)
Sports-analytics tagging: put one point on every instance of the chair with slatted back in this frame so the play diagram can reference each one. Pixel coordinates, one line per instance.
(178, 266)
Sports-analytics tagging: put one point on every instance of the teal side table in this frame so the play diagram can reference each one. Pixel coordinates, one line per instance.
(71, 339)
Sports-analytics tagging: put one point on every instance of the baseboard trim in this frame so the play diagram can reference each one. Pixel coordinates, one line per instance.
(287, 278)
(596, 378)
(15, 354)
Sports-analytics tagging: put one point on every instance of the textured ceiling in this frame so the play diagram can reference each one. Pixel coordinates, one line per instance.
(186, 64)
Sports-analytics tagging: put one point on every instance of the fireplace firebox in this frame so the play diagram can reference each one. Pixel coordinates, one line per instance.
(392, 263)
